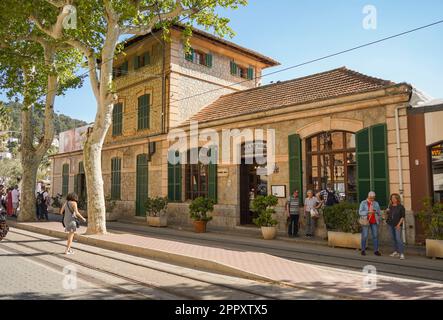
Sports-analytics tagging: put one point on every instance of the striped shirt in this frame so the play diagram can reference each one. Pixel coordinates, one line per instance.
(293, 205)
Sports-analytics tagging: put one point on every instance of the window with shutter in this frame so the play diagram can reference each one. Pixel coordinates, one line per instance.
(115, 178)
(117, 119)
(295, 166)
(65, 179)
(143, 112)
(372, 163)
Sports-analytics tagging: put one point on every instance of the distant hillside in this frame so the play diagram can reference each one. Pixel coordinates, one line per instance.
(61, 121)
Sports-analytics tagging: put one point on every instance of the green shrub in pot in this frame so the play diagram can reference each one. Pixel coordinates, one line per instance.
(263, 206)
(431, 218)
(199, 209)
(342, 217)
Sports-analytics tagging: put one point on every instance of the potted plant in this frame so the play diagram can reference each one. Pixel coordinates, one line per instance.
(342, 224)
(156, 211)
(198, 210)
(431, 218)
(263, 206)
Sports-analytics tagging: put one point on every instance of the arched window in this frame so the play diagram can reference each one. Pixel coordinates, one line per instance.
(331, 159)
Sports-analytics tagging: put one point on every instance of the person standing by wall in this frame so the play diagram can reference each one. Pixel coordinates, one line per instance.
(329, 195)
(9, 206)
(293, 213)
(396, 218)
(311, 204)
(15, 193)
(3, 226)
(370, 211)
(42, 204)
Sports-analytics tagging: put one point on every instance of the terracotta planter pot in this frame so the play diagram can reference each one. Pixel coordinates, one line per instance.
(200, 226)
(161, 221)
(434, 248)
(344, 239)
(269, 233)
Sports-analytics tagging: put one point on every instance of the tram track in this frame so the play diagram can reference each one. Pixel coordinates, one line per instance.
(179, 295)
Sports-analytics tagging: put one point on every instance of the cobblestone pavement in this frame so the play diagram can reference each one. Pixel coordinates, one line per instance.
(33, 266)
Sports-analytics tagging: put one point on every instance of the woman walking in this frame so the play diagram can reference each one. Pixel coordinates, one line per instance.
(396, 218)
(312, 204)
(70, 212)
(370, 212)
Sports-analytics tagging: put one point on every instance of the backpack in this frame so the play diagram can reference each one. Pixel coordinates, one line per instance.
(331, 199)
(40, 198)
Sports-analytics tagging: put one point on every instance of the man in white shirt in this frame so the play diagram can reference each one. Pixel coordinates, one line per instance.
(15, 194)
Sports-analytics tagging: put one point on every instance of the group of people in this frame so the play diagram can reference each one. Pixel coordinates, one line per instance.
(369, 211)
(313, 205)
(11, 200)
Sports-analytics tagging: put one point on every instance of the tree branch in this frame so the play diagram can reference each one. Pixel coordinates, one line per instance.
(92, 64)
(176, 12)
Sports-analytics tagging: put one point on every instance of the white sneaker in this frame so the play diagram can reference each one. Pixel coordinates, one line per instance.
(394, 254)
(69, 252)
(402, 257)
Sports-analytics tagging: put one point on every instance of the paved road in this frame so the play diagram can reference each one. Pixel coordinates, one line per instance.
(34, 267)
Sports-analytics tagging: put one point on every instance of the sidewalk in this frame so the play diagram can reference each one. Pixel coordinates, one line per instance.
(182, 248)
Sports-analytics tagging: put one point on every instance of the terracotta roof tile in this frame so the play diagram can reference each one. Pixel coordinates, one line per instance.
(320, 86)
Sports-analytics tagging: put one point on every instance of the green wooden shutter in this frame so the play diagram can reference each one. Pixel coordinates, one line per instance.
(143, 112)
(363, 163)
(380, 173)
(124, 68)
(295, 166)
(142, 179)
(190, 55)
(212, 177)
(250, 73)
(209, 60)
(115, 178)
(372, 163)
(136, 62)
(76, 190)
(174, 182)
(233, 68)
(146, 58)
(117, 119)
(65, 179)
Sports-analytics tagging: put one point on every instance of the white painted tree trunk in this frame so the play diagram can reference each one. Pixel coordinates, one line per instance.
(92, 150)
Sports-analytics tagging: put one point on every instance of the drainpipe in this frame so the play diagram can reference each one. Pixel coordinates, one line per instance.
(399, 162)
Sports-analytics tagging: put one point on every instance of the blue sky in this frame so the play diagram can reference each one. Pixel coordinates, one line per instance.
(295, 31)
